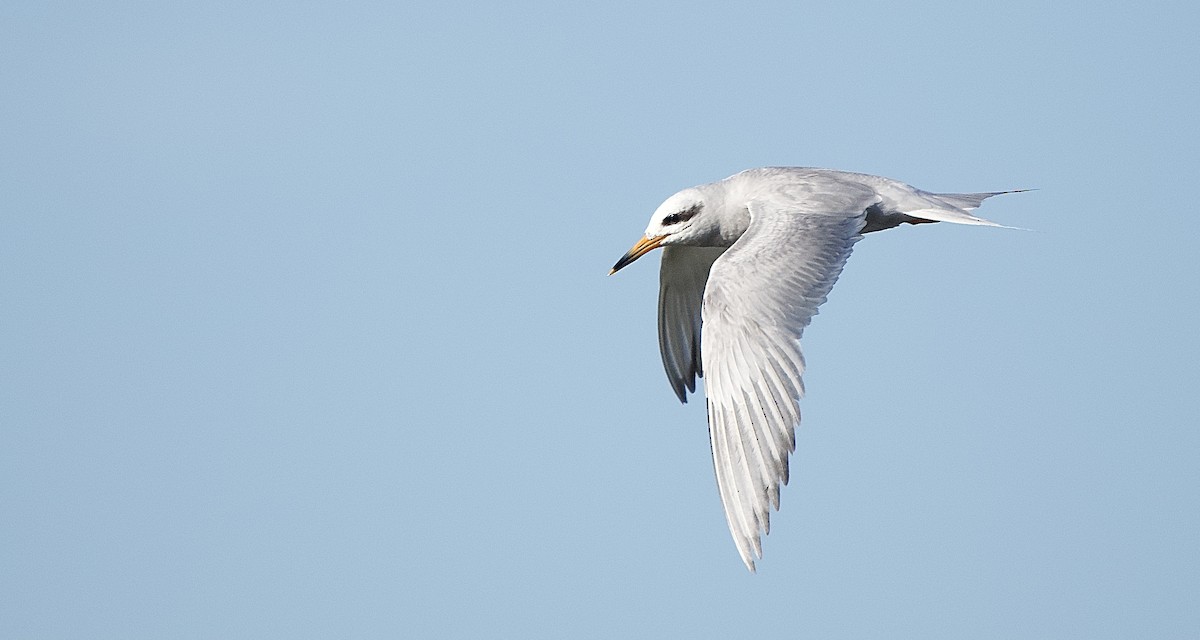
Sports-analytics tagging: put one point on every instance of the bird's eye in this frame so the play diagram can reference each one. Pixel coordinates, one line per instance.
(681, 216)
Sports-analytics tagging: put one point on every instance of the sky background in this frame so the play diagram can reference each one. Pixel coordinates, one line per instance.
(306, 331)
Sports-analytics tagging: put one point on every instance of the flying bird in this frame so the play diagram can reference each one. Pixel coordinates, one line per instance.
(746, 263)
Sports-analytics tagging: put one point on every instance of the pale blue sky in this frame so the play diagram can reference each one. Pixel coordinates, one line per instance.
(306, 330)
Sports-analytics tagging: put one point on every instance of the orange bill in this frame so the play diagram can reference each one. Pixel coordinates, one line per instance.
(643, 246)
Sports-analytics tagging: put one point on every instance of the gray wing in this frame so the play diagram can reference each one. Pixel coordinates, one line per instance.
(682, 277)
(761, 294)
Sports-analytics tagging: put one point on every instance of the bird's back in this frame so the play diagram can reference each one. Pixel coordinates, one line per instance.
(888, 202)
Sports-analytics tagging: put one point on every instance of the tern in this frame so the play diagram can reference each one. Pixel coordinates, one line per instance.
(746, 263)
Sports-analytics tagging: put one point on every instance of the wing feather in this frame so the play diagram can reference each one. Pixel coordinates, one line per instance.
(760, 296)
(682, 277)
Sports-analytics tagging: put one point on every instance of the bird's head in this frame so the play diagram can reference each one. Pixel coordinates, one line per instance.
(679, 220)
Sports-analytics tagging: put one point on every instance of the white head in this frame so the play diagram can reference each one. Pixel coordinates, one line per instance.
(675, 216)
(678, 220)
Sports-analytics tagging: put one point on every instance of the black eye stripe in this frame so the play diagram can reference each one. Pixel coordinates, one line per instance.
(682, 216)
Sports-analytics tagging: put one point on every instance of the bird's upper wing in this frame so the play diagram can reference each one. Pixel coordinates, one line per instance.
(761, 294)
(682, 277)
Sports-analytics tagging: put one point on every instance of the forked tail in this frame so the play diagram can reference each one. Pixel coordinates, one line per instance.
(955, 207)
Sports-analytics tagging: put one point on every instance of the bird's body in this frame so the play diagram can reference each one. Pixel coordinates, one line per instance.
(746, 262)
